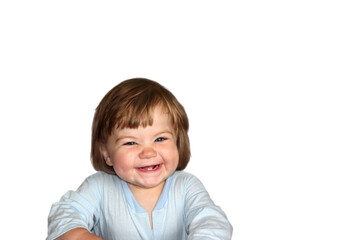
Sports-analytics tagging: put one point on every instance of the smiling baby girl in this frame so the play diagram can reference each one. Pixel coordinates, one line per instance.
(139, 148)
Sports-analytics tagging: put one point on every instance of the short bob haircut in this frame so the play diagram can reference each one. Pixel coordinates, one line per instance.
(130, 104)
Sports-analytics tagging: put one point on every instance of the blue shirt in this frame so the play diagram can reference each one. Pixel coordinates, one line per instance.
(105, 206)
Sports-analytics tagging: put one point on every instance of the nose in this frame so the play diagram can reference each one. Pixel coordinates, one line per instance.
(148, 152)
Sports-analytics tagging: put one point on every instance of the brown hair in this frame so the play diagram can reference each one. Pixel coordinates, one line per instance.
(130, 104)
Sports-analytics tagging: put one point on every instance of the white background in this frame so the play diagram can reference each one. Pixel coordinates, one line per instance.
(265, 85)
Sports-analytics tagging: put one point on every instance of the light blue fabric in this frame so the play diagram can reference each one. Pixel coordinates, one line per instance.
(105, 206)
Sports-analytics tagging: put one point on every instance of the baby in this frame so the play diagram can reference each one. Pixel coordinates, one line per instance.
(139, 148)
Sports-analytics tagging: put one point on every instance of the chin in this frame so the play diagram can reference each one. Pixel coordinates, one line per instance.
(151, 183)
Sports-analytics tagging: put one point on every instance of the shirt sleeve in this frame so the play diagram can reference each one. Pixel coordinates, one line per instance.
(204, 220)
(76, 209)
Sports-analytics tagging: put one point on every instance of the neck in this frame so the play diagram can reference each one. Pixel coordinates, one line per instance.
(147, 197)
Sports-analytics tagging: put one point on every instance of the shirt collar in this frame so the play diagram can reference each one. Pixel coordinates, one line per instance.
(136, 206)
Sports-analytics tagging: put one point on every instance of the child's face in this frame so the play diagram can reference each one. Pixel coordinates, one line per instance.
(144, 157)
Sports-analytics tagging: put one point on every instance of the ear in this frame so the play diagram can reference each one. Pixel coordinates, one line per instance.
(106, 156)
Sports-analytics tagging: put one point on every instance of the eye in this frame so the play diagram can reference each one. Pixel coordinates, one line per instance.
(160, 139)
(129, 143)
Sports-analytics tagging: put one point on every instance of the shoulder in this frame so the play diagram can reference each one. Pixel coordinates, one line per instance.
(100, 180)
(186, 181)
(101, 176)
(182, 177)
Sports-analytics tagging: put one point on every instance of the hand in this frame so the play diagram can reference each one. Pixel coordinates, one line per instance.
(78, 234)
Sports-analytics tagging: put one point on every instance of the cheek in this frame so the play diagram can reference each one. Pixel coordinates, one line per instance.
(177, 157)
(121, 167)
(122, 160)
(173, 154)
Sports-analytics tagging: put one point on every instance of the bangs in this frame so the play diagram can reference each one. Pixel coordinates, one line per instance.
(133, 118)
(139, 113)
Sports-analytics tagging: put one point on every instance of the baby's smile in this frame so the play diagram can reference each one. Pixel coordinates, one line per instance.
(149, 168)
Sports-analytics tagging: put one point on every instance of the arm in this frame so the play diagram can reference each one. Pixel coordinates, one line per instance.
(75, 210)
(204, 220)
(78, 234)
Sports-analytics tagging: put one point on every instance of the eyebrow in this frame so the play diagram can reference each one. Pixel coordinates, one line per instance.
(133, 137)
(165, 131)
(124, 137)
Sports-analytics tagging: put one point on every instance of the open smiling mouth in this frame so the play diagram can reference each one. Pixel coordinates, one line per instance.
(149, 168)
